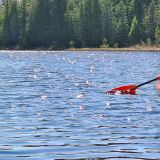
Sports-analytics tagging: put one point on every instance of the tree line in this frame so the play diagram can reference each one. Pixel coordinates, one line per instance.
(60, 24)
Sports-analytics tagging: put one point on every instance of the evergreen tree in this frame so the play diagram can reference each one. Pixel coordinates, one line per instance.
(149, 22)
(157, 35)
(121, 24)
(91, 24)
(6, 24)
(134, 31)
(1, 25)
(96, 24)
(157, 19)
(130, 13)
(107, 26)
(86, 23)
(23, 23)
(73, 19)
(38, 24)
(58, 26)
(11, 23)
(138, 8)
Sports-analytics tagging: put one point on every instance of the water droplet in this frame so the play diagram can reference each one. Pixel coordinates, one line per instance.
(81, 107)
(13, 106)
(149, 108)
(92, 69)
(129, 119)
(44, 97)
(76, 84)
(36, 70)
(79, 96)
(34, 76)
(101, 116)
(49, 75)
(88, 83)
(108, 104)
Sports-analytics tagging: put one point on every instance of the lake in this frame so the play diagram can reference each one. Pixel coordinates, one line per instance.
(53, 106)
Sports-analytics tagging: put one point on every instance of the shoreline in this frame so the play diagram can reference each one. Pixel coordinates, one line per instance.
(127, 49)
(132, 48)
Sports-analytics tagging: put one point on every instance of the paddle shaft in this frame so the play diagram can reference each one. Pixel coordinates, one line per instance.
(142, 84)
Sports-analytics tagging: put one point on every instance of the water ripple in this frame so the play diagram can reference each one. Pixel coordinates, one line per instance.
(53, 106)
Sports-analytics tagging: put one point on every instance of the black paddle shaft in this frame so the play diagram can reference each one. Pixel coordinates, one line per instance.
(142, 84)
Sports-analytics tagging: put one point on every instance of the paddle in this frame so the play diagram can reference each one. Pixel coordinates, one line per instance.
(130, 89)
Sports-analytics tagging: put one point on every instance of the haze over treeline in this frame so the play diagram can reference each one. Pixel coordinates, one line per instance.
(60, 24)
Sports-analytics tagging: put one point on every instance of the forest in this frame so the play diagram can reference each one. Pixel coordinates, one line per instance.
(62, 24)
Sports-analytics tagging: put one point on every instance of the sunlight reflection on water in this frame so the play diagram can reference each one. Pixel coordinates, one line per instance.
(53, 106)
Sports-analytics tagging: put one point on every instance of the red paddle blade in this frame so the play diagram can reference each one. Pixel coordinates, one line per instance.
(129, 89)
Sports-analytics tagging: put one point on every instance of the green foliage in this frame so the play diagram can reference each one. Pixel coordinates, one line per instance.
(138, 8)
(23, 23)
(157, 19)
(149, 22)
(91, 23)
(134, 31)
(1, 24)
(107, 24)
(104, 44)
(59, 24)
(157, 35)
(11, 23)
(121, 24)
(73, 20)
(38, 24)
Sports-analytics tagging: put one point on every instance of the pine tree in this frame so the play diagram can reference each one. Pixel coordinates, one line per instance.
(23, 23)
(11, 23)
(6, 24)
(157, 30)
(134, 31)
(38, 24)
(138, 8)
(86, 23)
(73, 19)
(1, 25)
(121, 24)
(96, 24)
(157, 35)
(107, 26)
(58, 26)
(91, 24)
(149, 22)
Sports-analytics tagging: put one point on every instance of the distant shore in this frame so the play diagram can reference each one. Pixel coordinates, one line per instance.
(132, 48)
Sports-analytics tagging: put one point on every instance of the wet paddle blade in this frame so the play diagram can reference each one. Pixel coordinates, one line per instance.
(129, 89)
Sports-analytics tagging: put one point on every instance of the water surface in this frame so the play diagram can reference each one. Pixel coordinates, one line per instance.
(53, 106)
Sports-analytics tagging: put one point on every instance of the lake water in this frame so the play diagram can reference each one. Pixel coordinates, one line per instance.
(53, 106)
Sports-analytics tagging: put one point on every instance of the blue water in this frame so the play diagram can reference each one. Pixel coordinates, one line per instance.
(53, 106)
